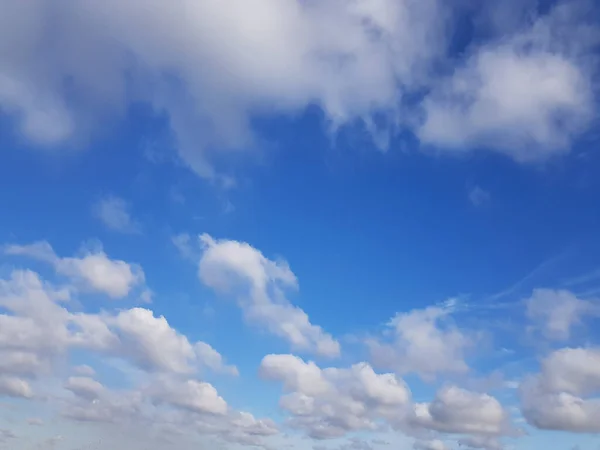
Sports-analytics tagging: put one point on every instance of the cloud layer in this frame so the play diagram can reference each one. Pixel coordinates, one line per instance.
(525, 90)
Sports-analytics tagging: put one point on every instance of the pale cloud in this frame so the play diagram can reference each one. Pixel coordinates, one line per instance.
(479, 196)
(15, 387)
(526, 95)
(556, 312)
(114, 213)
(330, 403)
(560, 397)
(434, 444)
(425, 342)
(259, 285)
(38, 330)
(458, 411)
(94, 270)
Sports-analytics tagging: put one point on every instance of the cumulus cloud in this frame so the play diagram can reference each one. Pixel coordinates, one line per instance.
(93, 270)
(556, 312)
(114, 213)
(425, 342)
(38, 332)
(526, 95)
(562, 395)
(458, 411)
(259, 284)
(329, 403)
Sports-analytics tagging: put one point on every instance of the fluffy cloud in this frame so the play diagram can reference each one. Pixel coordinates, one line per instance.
(38, 331)
(455, 410)
(558, 398)
(329, 403)
(526, 95)
(93, 270)
(424, 342)
(193, 395)
(259, 285)
(556, 312)
(114, 213)
(356, 60)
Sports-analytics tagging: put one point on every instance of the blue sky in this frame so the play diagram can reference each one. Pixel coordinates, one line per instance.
(343, 225)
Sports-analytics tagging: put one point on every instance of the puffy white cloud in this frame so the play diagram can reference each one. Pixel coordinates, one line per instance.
(37, 331)
(351, 58)
(424, 342)
(93, 270)
(558, 398)
(152, 342)
(114, 213)
(556, 312)
(455, 410)
(329, 403)
(84, 387)
(194, 395)
(355, 59)
(213, 359)
(259, 283)
(525, 95)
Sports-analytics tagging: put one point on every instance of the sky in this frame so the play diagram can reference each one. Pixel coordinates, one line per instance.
(299, 224)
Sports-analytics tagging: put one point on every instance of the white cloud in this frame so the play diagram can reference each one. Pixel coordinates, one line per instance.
(84, 387)
(329, 403)
(114, 213)
(557, 312)
(558, 398)
(355, 59)
(350, 58)
(526, 95)
(193, 395)
(425, 342)
(259, 284)
(458, 411)
(38, 332)
(93, 270)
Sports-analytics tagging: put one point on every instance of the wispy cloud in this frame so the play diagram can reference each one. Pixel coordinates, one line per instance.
(114, 213)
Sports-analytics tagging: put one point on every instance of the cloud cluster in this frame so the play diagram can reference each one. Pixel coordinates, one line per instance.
(335, 402)
(425, 342)
(42, 324)
(564, 395)
(332, 402)
(39, 328)
(526, 90)
(259, 285)
(556, 312)
(93, 270)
